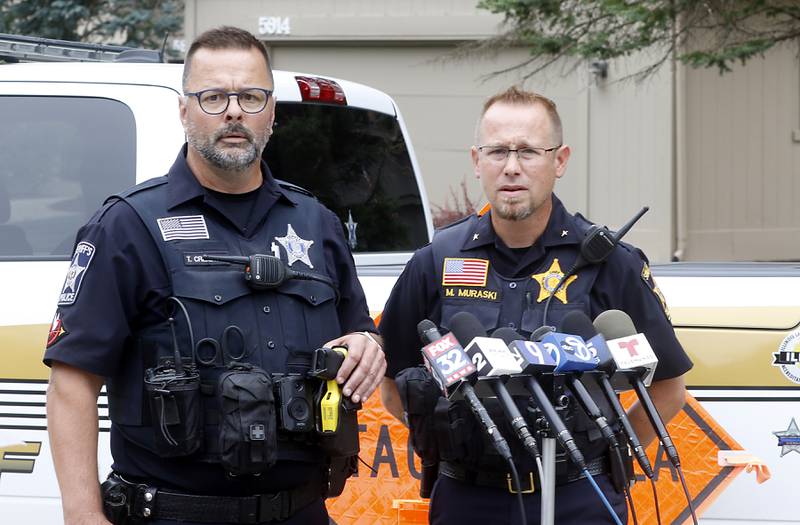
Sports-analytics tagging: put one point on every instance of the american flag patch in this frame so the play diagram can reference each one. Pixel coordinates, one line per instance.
(465, 272)
(183, 227)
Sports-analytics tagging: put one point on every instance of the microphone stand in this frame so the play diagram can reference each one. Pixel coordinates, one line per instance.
(548, 498)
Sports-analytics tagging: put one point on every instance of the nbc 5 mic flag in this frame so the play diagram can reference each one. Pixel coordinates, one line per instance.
(465, 272)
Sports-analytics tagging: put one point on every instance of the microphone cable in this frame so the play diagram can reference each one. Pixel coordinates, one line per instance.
(688, 496)
(518, 485)
(655, 499)
(602, 497)
(625, 486)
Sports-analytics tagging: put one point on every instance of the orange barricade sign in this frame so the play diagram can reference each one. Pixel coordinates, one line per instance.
(698, 439)
(386, 489)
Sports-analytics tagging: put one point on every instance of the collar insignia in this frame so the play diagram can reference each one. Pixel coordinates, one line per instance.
(548, 280)
(475, 237)
(564, 233)
(296, 248)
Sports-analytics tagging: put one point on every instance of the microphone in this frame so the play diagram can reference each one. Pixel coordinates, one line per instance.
(492, 359)
(596, 247)
(578, 323)
(600, 242)
(267, 272)
(533, 360)
(634, 357)
(455, 372)
(574, 357)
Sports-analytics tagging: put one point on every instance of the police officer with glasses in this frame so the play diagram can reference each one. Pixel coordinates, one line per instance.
(222, 432)
(502, 266)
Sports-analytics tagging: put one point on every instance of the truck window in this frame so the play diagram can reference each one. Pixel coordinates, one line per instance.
(60, 157)
(356, 163)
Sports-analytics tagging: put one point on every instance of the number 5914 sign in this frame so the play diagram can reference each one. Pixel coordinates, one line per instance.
(274, 25)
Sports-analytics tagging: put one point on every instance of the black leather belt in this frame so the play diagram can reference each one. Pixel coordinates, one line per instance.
(528, 480)
(151, 503)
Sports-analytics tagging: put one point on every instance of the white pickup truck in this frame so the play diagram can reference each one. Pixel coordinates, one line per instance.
(74, 133)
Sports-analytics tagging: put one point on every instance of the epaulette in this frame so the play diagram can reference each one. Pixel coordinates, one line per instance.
(294, 187)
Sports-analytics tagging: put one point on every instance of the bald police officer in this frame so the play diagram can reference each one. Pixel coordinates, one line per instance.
(514, 254)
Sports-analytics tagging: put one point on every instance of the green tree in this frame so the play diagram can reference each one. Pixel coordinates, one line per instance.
(707, 33)
(135, 23)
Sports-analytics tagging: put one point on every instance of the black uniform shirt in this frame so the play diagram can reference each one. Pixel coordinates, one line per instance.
(623, 282)
(122, 286)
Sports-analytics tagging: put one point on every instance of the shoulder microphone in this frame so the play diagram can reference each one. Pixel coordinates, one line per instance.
(596, 247)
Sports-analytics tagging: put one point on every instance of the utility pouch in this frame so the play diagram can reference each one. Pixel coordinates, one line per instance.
(117, 500)
(456, 431)
(247, 433)
(175, 405)
(419, 394)
(340, 468)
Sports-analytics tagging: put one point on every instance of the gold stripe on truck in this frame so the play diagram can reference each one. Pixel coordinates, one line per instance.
(22, 348)
(733, 358)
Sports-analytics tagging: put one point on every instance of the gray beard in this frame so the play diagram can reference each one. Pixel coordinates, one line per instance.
(236, 159)
(511, 212)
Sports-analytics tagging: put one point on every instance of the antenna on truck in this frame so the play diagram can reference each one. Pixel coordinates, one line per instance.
(15, 48)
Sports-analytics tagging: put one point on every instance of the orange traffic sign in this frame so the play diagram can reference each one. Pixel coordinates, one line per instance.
(386, 488)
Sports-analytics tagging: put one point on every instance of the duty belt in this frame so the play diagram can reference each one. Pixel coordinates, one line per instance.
(152, 503)
(528, 480)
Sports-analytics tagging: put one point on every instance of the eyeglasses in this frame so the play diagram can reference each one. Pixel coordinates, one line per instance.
(215, 101)
(499, 154)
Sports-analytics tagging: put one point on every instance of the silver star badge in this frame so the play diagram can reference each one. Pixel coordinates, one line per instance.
(789, 439)
(564, 233)
(475, 237)
(296, 248)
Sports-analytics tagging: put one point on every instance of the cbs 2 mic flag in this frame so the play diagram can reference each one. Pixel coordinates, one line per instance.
(465, 272)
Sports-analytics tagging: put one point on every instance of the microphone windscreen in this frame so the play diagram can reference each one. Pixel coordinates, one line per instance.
(508, 335)
(424, 326)
(576, 322)
(538, 334)
(614, 324)
(466, 327)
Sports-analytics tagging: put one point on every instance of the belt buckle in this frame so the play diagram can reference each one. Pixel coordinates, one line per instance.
(526, 491)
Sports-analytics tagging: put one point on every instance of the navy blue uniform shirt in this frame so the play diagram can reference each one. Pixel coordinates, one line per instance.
(623, 282)
(122, 286)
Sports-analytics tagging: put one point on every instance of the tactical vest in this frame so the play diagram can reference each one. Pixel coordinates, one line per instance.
(519, 304)
(281, 328)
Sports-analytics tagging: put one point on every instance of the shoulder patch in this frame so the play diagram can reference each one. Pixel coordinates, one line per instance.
(84, 252)
(647, 277)
(57, 330)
